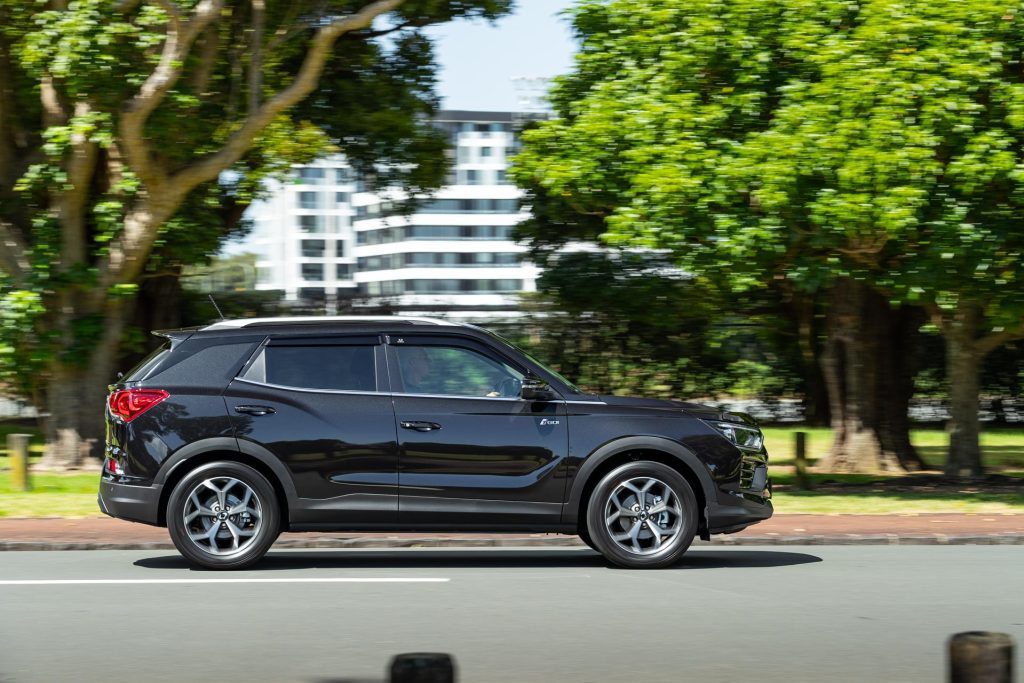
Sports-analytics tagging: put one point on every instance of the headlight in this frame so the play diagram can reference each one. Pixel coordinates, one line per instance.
(745, 438)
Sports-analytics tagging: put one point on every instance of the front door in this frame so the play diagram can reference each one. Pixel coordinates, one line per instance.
(321, 405)
(471, 451)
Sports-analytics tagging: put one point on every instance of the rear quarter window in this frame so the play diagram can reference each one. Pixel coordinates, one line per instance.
(147, 364)
(202, 363)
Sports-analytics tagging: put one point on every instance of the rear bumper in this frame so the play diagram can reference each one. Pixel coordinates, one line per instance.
(134, 503)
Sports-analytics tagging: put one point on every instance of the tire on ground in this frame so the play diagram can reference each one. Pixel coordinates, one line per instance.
(601, 536)
(248, 554)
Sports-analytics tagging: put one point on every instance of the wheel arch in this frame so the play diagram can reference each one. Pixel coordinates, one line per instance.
(630, 449)
(206, 451)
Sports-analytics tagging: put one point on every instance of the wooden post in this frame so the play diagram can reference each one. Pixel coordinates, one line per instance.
(980, 657)
(803, 481)
(17, 452)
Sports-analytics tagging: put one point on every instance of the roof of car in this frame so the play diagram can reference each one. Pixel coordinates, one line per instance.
(241, 323)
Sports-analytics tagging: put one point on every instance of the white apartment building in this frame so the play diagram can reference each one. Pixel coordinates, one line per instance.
(454, 255)
(302, 234)
(319, 239)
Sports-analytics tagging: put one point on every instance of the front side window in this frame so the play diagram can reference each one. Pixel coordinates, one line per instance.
(454, 371)
(335, 368)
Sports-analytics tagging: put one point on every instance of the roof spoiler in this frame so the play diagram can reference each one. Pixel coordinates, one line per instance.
(178, 335)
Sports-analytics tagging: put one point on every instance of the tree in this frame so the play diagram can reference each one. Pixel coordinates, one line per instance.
(901, 164)
(645, 152)
(133, 134)
(869, 150)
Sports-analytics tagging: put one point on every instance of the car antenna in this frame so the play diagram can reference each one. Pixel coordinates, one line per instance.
(216, 307)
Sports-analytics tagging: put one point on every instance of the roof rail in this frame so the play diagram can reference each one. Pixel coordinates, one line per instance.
(323, 319)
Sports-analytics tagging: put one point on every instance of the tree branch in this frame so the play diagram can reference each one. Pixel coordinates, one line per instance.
(71, 200)
(177, 44)
(256, 60)
(305, 82)
(142, 225)
(993, 341)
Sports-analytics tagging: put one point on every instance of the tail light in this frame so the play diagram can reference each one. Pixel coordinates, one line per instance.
(128, 404)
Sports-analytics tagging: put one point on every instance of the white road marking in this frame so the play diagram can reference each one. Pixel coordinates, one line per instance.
(124, 582)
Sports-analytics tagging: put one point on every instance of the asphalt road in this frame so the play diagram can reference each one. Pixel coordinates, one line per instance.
(798, 613)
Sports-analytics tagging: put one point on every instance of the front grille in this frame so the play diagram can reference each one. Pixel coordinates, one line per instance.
(748, 470)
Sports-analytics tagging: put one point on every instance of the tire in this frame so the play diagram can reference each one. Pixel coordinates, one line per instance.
(629, 540)
(585, 537)
(195, 511)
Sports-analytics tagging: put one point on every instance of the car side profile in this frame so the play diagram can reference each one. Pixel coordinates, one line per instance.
(232, 433)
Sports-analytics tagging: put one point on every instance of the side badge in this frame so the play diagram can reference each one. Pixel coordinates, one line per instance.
(545, 421)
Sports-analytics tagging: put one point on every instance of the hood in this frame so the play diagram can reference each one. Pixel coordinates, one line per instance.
(696, 409)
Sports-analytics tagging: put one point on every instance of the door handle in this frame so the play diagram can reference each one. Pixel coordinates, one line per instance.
(255, 410)
(420, 426)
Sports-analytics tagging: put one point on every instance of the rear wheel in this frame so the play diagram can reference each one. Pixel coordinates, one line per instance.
(223, 515)
(642, 515)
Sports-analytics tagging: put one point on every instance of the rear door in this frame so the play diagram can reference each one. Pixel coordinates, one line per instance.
(322, 406)
(472, 452)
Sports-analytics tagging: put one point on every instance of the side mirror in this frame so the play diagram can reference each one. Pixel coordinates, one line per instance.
(536, 389)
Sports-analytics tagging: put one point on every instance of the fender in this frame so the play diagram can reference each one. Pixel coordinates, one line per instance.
(230, 443)
(612, 448)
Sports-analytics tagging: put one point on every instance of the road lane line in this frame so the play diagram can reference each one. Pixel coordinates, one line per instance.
(123, 582)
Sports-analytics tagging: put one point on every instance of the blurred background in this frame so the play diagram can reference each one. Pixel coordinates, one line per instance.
(808, 210)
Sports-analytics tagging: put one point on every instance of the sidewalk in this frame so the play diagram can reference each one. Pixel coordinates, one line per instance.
(104, 533)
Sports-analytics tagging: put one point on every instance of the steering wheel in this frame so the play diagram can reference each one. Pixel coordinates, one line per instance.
(509, 387)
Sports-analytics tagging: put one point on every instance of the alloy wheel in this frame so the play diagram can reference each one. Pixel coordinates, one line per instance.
(643, 515)
(222, 515)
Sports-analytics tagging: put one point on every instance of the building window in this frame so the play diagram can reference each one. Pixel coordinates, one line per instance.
(312, 293)
(342, 197)
(343, 271)
(312, 272)
(339, 248)
(465, 155)
(314, 224)
(311, 176)
(313, 248)
(309, 200)
(486, 151)
(501, 177)
(473, 177)
(342, 176)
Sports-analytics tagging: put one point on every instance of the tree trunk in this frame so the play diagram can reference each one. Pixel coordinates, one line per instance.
(868, 375)
(75, 391)
(816, 398)
(963, 365)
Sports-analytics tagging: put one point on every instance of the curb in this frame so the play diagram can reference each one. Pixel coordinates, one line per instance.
(533, 542)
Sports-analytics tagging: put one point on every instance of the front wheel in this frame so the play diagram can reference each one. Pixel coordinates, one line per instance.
(223, 515)
(642, 515)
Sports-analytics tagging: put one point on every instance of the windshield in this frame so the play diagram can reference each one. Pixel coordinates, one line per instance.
(572, 387)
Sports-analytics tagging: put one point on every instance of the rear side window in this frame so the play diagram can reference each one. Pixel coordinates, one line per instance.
(194, 363)
(334, 368)
(148, 363)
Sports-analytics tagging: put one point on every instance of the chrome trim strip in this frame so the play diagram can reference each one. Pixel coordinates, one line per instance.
(313, 391)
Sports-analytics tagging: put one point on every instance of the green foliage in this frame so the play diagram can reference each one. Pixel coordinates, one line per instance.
(70, 71)
(630, 323)
(799, 139)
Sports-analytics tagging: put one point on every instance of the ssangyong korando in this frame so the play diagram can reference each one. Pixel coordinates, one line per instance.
(231, 433)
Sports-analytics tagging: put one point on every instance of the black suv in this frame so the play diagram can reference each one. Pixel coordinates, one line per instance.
(230, 433)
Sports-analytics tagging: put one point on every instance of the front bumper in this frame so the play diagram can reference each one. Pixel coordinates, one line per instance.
(751, 503)
(126, 501)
